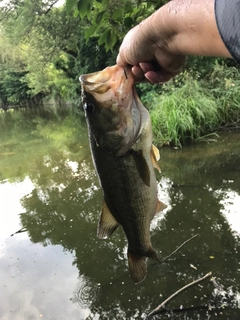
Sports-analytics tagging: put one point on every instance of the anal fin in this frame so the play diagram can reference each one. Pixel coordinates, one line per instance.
(107, 223)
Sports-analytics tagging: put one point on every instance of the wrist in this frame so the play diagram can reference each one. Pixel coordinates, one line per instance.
(187, 28)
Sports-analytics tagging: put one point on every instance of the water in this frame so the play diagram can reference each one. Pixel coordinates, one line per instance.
(57, 268)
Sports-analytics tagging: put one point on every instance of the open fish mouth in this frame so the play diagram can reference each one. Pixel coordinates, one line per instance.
(100, 77)
(111, 78)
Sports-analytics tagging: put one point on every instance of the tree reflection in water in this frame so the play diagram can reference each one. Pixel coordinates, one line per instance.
(197, 181)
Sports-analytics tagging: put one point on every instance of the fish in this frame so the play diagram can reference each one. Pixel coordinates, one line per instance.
(120, 137)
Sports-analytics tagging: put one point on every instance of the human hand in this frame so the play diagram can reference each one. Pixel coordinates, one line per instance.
(147, 50)
(157, 47)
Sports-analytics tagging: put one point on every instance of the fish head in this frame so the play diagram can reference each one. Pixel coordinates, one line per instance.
(111, 109)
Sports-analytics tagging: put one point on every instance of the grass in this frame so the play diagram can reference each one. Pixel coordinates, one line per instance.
(183, 115)
(192, 109)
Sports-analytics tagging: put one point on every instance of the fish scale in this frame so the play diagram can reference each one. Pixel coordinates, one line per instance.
(129, 207)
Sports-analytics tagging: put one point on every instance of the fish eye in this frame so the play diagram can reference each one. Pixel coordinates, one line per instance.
(89, 107)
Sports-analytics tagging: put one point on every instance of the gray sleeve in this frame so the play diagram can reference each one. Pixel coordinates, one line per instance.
(227, 14)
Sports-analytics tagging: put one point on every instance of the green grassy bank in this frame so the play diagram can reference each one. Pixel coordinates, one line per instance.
(191, 107)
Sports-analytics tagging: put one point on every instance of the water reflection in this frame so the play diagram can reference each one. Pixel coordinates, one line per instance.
(10, 206)
(65, 272)
(32, 279)
(230, 204)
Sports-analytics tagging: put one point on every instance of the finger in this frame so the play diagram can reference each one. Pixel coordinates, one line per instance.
(147, 71)
(121, 61)
(158, 77)
(148, 66)
(154, 73)
(138, 73)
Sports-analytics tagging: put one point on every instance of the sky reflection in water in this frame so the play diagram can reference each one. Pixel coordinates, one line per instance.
(37, 281)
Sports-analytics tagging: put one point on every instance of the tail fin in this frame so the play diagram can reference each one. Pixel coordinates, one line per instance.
(138, 266)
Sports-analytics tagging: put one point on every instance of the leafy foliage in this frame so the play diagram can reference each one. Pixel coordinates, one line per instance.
(110, 20)
(45, 48)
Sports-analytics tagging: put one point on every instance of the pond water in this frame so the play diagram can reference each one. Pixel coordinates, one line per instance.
(56, 268)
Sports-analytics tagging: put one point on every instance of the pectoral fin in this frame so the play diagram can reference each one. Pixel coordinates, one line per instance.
(142, 166)
(107, 223)
(155, 156)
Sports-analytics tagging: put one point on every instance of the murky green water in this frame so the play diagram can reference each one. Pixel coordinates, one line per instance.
(58, 269)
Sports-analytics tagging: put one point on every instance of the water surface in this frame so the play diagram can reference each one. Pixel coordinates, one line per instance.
(57, 268)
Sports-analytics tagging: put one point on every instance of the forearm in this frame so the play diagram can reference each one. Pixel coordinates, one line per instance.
(190, 28)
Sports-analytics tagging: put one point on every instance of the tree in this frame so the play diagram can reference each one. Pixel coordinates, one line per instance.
(109, 20)
(38, 34)
(52, 49)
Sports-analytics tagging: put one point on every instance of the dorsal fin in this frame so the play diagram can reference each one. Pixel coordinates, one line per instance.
(156, 152)
(107, 223)
(160, 206)
(155, 156)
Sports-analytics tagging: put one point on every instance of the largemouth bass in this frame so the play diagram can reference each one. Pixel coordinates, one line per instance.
(120, 135)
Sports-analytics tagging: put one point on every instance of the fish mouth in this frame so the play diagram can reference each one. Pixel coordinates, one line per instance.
(101, 82)
(103, 76)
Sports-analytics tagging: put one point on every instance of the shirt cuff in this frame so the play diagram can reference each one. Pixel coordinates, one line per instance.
(227, 13)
